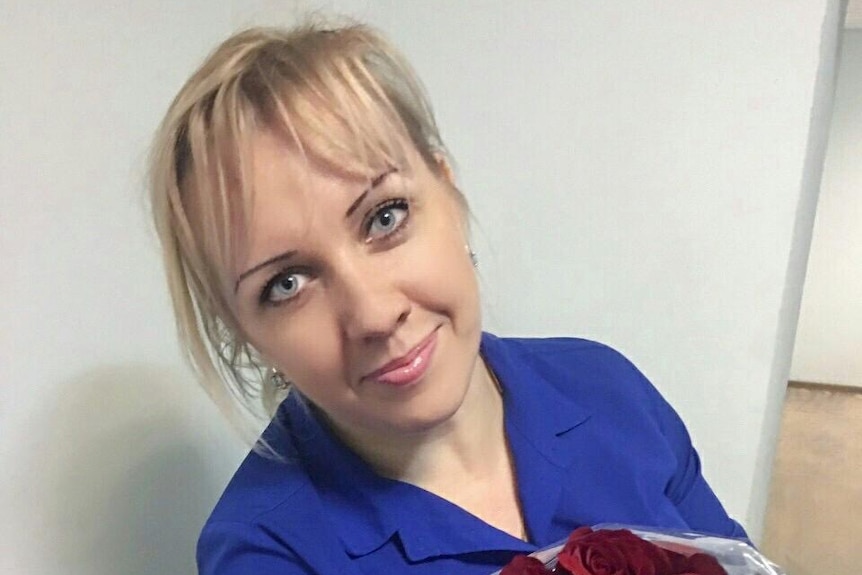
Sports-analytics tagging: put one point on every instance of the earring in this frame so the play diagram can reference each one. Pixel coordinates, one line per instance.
(474, 257)
(277, 380)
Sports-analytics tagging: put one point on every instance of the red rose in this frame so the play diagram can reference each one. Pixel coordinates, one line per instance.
(618, 552)
(687, 560)
(703, 564)
(612, 552)
(523, 565)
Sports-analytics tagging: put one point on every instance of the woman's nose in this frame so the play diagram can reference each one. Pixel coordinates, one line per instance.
(371, 303)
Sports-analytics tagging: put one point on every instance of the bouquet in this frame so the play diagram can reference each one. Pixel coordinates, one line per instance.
(619, 550)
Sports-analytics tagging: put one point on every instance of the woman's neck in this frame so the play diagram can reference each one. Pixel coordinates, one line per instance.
(470, 444)
(465, 460)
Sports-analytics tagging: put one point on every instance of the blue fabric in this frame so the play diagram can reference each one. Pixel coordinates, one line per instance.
(592, 439)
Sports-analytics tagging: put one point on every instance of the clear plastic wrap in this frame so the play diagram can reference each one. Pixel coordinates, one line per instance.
(737, 557)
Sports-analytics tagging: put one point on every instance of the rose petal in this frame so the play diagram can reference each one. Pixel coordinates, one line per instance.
(703, 564)
(686, 550)
(678, 562)
(579, 533)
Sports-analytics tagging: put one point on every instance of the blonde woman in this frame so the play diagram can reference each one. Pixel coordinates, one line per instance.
(318, 258)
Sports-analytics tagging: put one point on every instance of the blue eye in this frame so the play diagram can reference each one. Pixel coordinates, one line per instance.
(387, 219)
(283, 287)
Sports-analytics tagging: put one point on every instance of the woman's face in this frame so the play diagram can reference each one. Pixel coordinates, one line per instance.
(360, 289)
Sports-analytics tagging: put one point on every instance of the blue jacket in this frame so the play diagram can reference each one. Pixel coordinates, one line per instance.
(592, 440)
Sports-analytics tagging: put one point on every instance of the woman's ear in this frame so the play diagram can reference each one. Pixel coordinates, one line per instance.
(445, 168)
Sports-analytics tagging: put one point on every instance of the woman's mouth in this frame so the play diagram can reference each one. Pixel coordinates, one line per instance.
(408, 368)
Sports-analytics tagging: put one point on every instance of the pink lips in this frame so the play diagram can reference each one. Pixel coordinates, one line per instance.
(408, 368)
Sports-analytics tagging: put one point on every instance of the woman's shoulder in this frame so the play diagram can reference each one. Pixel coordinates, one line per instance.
(262, 483)
(590, 371)
(269, 500)
(573, 355)
(561, 346)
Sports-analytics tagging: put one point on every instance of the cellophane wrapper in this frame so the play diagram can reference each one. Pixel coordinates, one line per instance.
(735, 555)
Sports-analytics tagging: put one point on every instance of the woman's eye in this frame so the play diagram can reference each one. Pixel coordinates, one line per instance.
(283, 287)
(387, 219)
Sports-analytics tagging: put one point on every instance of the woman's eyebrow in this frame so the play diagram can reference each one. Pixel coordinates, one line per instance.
(274, 259)
(356, 203)
(374, 183)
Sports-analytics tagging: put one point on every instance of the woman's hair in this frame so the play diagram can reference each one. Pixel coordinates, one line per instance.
(341, 95)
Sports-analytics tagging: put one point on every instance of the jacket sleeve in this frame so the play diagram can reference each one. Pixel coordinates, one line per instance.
(235, 548)
(688, 489)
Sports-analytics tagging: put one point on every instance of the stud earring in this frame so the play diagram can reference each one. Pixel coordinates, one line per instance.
(474, 257)
(277, 380)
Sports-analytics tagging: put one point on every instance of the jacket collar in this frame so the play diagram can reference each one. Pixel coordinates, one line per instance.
(368, 510)
(541, 422)
(535, 406)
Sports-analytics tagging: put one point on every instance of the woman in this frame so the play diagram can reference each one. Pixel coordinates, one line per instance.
(313, 231)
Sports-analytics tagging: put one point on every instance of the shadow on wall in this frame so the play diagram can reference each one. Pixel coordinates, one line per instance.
(132, 469)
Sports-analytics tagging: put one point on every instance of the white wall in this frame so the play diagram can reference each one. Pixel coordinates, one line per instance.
(111, 456)
(829, 338)
(643, 173)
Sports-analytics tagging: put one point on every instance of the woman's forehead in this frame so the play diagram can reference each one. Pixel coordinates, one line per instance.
(276, 156)
(283, 163)
(292, 193)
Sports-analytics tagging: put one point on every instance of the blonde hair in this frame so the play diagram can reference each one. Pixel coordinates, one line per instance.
(340, 94)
